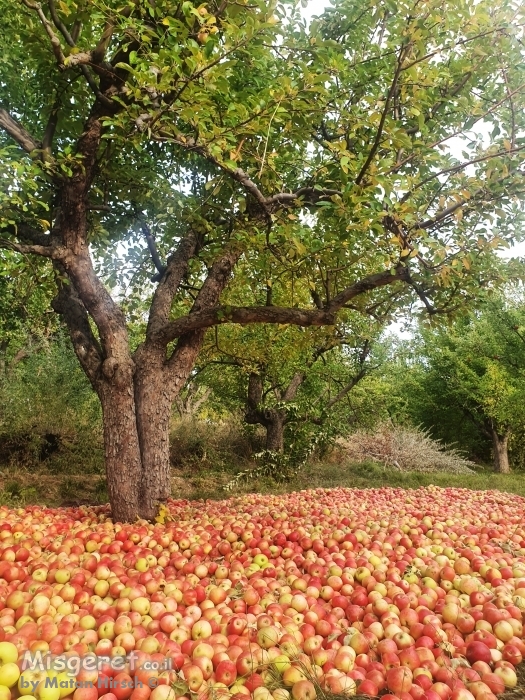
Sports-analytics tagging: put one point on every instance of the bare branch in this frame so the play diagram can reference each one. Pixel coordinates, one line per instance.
(53, 38)
(17, 132)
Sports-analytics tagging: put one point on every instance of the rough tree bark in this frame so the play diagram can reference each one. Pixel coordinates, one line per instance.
(500, 446)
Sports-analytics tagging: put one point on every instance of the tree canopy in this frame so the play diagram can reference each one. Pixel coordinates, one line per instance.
(465, 382)
(233, 165)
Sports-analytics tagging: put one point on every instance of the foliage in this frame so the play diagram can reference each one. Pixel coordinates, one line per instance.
(25, 318)
(47, 406)
(360, 115)
(465, 380)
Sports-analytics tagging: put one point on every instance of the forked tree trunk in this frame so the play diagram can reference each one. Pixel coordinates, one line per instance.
(157, 383)
(136, 419)
(501, 452)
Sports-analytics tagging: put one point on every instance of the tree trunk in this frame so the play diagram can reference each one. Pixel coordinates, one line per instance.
(158, 382)
(122, 452)
(501, 454)
(153, 405)
(274, 424)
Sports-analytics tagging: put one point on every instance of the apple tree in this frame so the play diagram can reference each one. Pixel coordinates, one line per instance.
(162, 150)
(465, 382)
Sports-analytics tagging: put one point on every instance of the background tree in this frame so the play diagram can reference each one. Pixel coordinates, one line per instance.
(466, 383)
(290, 380)
(216, 141)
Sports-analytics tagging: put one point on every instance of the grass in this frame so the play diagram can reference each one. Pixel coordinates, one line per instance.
(352, 475)
(20, 487)
(206, 456)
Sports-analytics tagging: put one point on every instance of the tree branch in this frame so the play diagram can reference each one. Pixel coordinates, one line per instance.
(293, 386)
(381, 125)
(175, 270)
(381, 279)
(67, 303)
(460, 166)
(53, 38)
(152, 246)
(347, 389)
(17, 132)
(267, 203)
(25, 249)
(202, 317)
(59, 24)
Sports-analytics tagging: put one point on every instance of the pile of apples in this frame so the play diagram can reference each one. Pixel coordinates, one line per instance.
(407, 595)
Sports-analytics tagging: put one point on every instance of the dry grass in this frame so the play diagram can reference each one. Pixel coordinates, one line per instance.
(21, 487)
(517, 693)
(404, 449)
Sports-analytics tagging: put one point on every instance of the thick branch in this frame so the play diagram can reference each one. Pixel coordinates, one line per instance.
(189, 344)
(293, 386)
(244, 316)
(175, 270)
(27, 249)
(17, 132)
(27, 234)
(207, 317)
(381, 279)
(67, 303)
(215, 282)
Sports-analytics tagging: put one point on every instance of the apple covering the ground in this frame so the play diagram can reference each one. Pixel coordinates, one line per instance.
(414, 595)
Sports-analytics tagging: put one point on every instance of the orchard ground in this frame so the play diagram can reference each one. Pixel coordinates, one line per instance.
(314, 594)
(204, 478)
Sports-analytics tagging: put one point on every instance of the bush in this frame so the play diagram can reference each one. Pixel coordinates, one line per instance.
(49, 414)
(203, 445)
(404, 449)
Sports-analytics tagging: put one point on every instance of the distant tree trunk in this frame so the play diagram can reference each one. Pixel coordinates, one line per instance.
(273, 419)
(275, 422)
(501, 454)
